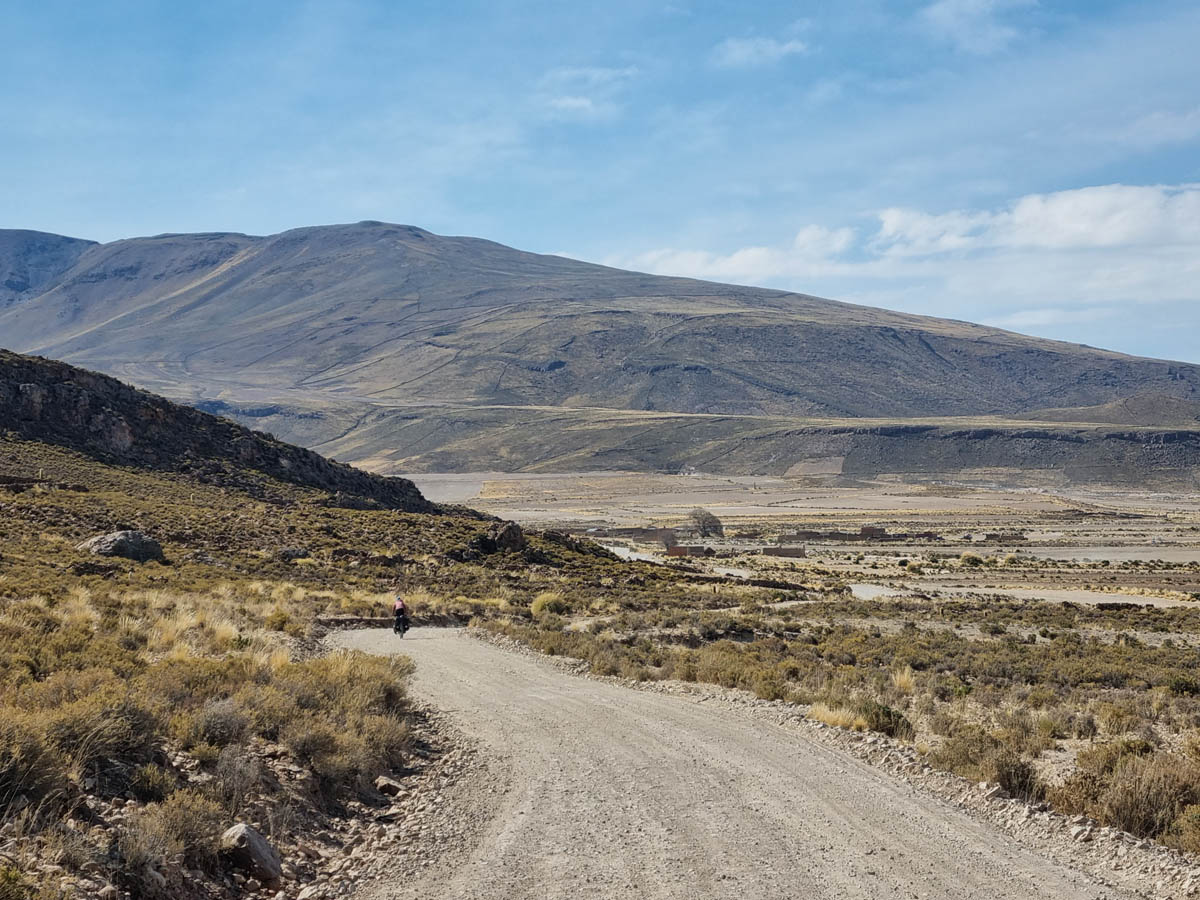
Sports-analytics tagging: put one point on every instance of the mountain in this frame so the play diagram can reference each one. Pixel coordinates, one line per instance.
(53, 403)
(30, 260)
(326, 330)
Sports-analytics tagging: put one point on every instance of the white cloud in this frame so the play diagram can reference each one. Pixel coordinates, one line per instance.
(972, 26)
(1043, 261)
(1105, 216)
(584, 92)
(812, 251)
(740, 53)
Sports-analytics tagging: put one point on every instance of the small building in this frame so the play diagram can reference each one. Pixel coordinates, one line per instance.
(789, 552)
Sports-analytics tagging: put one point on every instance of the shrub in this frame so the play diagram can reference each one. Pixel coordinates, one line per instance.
(150, 783)
(13, 885)
(1012, 772)
(27, 765)
(102, 726)
(1146, 794)
(237, 773)
(1184, 686)
(217, 722)
(980, 756)
(1103, 759)
(885, 720)
(550, 603)
(770, 686)
(187, 824)
(1184, 832)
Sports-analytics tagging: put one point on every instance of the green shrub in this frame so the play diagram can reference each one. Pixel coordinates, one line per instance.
(980, 756)
(886, 720)
(1012, 772)
(150, 783)
(1184, 686)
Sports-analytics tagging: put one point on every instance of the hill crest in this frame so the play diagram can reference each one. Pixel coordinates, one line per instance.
(52, 402)
(359, 320)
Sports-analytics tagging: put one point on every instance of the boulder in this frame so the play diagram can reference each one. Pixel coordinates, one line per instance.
(507, 536)
(503, 537)
(250, 851)
(389, 787)
(125, 544)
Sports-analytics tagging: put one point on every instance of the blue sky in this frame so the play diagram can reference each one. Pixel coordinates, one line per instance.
(1028, 163)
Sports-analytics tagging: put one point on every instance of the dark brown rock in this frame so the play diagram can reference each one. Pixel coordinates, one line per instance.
(125, 544)
(248, 850)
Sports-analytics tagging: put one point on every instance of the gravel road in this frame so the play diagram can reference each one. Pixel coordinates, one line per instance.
(615, 793)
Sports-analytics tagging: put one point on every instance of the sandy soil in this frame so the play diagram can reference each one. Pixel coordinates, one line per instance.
(620, 793)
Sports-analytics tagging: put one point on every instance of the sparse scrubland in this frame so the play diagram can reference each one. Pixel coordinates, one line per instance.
(1094, 711)
(146, 707)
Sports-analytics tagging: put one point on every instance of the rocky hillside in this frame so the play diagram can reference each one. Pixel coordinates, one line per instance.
(55, 403)
(32, 260)
(373, 340)
(396, 314)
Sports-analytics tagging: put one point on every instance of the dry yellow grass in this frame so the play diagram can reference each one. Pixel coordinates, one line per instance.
(837, 716)
(904, 680)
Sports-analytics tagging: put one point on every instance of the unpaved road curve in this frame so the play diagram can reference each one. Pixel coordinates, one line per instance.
(620, 793)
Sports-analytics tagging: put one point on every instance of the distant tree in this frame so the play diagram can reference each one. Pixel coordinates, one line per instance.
(667, 536)
(705, 523)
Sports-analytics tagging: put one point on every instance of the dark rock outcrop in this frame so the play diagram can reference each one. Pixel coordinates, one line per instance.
(53, 402)
(125, 544)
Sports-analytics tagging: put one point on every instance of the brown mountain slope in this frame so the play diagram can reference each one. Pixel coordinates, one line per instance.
(395, 314)
(51, 402)
(1144, 409)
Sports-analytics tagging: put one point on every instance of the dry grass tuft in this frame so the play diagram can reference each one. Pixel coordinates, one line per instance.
(838, 716)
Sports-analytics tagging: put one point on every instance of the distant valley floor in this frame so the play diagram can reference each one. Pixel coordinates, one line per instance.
(1097, 447)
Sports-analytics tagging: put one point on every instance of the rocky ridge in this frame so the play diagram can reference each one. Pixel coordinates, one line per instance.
(52, 402)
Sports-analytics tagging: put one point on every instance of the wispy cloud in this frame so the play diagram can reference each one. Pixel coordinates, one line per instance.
(740, 53)
(973, 26)
(1043, 260)
(1025, 319)
(585, 92)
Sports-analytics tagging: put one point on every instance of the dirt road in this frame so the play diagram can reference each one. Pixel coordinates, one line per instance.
(618, 793)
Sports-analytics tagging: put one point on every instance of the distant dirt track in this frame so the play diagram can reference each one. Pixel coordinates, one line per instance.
(620, 793)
